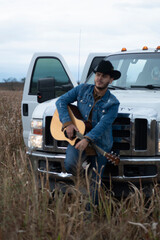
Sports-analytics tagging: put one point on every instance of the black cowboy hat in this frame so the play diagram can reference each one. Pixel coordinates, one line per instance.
(106, 67)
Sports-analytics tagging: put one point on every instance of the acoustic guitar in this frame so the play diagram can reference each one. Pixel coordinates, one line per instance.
(58, 133)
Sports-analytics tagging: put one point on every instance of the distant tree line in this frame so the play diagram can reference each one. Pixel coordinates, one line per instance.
(12, 79)
(12, 84)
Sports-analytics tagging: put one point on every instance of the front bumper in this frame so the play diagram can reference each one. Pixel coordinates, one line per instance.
(37, 157)
(130, 169)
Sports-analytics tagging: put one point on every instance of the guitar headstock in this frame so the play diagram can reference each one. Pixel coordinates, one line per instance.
(113, 158)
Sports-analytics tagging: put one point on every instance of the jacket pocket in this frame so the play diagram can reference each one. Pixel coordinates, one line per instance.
(81, 100)
(100, 112)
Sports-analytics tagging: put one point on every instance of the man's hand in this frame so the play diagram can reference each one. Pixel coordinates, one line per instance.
(70, 130)
(81, 145)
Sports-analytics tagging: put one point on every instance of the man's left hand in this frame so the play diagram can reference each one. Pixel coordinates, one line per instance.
(81, 145)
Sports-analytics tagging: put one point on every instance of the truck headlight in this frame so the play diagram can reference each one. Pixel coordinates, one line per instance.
(36, 134)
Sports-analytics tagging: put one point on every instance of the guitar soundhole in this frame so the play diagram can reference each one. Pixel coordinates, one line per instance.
(74, 135)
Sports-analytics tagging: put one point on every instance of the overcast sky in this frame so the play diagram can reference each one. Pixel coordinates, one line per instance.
(29, 26)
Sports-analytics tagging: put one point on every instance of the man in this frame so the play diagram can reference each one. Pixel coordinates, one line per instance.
(98, 106)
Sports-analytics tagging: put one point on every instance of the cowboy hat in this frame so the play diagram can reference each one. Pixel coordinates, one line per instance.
(106, 67)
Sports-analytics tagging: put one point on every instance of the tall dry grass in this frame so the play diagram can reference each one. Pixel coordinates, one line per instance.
(25, 210)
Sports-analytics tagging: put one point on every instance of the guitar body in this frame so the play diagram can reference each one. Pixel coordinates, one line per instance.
(56, 125)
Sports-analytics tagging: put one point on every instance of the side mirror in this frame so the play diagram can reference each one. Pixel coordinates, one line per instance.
(46, 89)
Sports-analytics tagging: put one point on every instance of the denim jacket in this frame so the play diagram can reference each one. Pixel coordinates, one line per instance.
(103, 114)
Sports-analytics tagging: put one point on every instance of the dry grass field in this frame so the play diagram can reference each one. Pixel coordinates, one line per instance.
(26, 212)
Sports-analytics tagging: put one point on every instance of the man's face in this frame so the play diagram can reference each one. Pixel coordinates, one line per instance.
(102, 80)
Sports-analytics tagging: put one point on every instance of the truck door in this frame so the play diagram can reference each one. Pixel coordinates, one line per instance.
(42, 66)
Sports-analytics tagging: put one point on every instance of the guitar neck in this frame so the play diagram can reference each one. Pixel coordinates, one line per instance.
(98, 149)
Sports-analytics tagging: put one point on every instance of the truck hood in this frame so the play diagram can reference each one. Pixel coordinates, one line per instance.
(47, 108)
(138, 103)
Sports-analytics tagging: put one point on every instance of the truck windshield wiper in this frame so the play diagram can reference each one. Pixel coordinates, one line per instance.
(149, 86)
(116, 87)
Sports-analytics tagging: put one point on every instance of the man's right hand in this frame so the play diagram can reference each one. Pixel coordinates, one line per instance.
(70, 131)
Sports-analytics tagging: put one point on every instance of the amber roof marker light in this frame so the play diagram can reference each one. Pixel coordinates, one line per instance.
(145, 48)
(123, 49)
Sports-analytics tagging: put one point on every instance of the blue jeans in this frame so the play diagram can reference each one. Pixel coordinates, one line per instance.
(71, 163)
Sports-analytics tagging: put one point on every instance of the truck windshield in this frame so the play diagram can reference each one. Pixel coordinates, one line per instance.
(142, 69)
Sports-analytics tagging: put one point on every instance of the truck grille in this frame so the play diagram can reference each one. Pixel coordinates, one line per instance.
(121, 134)
(131, 137)
(140, 134)
(134, 136)
(48, 136)
(50, 143)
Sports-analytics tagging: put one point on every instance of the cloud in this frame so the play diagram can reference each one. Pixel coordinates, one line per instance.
(28, 26)
(137, 4)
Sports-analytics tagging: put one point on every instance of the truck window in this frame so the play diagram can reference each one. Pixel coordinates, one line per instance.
(138, 69)
(94, 63)
(134, 69)
(49, 67)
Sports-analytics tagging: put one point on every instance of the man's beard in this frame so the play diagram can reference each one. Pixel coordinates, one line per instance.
(102, 88)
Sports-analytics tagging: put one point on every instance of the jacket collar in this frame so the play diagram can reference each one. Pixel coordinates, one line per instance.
(105, 97)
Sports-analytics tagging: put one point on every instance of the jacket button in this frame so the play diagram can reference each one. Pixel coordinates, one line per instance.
(90, 105)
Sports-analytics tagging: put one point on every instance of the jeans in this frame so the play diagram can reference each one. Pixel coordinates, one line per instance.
(72, 160)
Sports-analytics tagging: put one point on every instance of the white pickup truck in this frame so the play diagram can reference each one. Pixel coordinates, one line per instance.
(136, 130)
